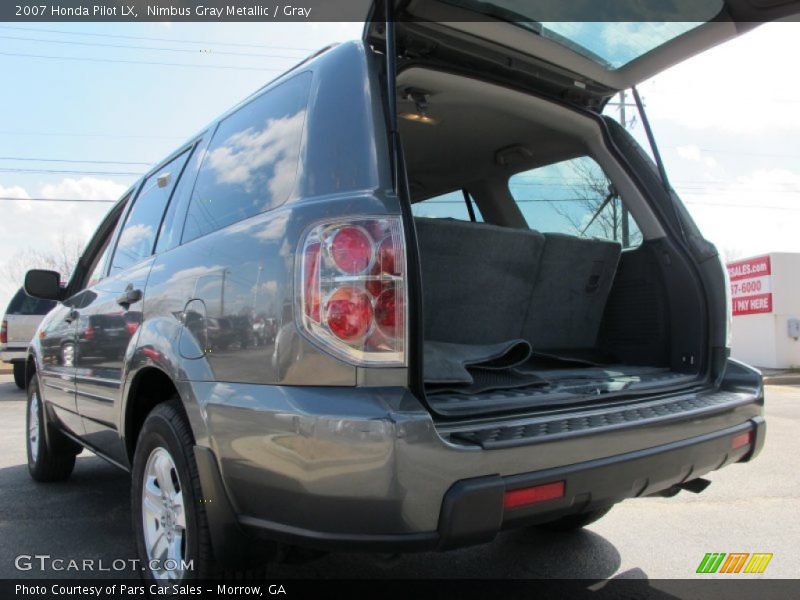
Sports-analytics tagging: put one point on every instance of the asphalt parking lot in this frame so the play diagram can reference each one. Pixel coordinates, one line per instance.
(748, 508)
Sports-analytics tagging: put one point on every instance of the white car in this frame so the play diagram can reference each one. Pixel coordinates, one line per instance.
(22, 317)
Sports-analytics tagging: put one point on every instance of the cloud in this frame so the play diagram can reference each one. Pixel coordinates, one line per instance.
(85, 188)
(41, 226)
(15, 191)
(136, 235)
(753, 214)
(740, 87)
(243, 157)
(692, 153)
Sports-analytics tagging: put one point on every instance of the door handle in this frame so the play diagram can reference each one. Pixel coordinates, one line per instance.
(129, 296)
(71, 316)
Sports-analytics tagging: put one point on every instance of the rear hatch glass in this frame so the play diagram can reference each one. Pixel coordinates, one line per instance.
(612, 36)
(22, 304)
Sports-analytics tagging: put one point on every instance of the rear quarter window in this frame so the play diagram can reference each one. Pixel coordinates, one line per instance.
(22, 304)
(250, 165)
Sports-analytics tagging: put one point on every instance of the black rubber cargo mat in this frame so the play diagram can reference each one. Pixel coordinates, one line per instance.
(484, 380)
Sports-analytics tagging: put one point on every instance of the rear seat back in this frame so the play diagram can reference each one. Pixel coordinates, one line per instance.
(571, 291)
(477, 279)
(484, 284)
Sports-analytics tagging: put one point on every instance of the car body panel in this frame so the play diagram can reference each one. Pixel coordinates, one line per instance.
(22, 318)
(21, 329)
(56, 345)
(374, 461)
(100, 361)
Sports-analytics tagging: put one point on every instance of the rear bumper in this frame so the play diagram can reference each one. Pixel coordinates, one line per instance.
(473, 512)
(12, 353)
(390, 480)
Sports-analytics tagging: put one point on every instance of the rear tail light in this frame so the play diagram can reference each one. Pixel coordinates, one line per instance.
(4, 332)
(351, 289)
(88, 333)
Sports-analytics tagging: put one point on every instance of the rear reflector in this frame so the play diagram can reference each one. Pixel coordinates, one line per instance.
(743, 439)
(533, 495)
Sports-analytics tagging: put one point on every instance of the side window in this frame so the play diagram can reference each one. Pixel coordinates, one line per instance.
(138, 235)
(99, 269)
(22, 304)
(251, 163)
(574, 197)
(452, 205)
(169, 235)
(99, 266)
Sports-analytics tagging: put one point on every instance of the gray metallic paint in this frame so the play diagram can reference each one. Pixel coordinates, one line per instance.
(301, 438)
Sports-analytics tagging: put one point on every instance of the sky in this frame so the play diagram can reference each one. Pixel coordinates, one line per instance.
(121, 96)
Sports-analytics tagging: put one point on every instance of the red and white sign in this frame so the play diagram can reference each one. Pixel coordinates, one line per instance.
(751, 286)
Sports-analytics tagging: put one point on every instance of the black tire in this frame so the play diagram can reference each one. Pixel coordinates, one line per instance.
(19, 374)
(575, 522)
(51, 456)
(166, 428)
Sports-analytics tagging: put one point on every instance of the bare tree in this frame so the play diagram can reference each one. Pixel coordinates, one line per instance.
(62, 258)
(595, 208)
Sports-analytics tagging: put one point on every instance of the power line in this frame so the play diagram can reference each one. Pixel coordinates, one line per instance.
(750, 206)
(79, 200)
(69, 171)
(69, 160)
(137, 62)
(689, 203)
(740, 153)
(155, 39)
(104, 135)
(148, 48)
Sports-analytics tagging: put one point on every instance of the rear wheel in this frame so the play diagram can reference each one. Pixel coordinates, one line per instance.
(51, 455)
(575, 522)
(169, 519)
(19, 374)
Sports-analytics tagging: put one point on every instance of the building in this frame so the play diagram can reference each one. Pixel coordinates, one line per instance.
(765, 294)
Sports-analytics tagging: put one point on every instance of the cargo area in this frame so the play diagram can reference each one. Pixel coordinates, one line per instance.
(535, 294)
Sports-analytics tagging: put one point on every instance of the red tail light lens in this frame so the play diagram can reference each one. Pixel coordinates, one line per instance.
(352, 249)
(88, 333)
(348, 313)
(351, 289)
(4, 332)
(387, 257)
(389, 312)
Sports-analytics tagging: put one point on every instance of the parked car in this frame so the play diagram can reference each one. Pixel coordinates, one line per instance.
(462, 346)
(20, 321)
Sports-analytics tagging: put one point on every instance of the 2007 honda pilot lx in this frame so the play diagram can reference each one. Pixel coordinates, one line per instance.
(490, 309)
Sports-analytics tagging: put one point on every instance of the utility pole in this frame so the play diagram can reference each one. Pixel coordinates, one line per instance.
(623, 104)
(222, 293)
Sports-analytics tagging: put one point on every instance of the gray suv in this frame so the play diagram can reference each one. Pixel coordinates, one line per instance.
(488, 308)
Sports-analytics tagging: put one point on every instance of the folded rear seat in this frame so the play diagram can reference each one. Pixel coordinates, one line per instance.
(571, 291)
(484, 284)
(477, 279)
